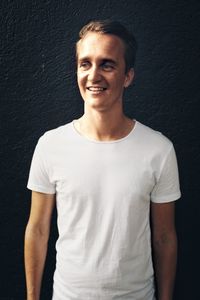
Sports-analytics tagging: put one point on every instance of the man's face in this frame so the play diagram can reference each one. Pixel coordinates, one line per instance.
(101, 70)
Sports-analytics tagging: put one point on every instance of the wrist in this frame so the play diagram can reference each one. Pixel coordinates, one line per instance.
(32, 296)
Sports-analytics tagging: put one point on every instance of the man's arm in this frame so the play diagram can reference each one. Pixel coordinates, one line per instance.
(164, 242)
(36, 241)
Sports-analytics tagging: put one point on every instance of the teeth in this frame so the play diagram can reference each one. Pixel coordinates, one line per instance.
(96, 89)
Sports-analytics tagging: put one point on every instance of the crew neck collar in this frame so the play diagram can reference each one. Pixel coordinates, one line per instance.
(103, 142)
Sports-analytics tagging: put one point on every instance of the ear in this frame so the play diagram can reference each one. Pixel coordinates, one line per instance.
(129, 77)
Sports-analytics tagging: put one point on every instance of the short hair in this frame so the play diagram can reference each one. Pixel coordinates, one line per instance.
(115, 28)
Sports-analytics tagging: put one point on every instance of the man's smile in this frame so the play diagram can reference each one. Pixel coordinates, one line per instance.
(96, 88)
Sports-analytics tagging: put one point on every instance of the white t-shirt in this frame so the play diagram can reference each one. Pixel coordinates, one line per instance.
(103, 193)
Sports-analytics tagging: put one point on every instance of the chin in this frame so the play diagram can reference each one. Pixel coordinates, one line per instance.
(96, 104)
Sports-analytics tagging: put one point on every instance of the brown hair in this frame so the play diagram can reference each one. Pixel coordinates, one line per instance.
(115, 28)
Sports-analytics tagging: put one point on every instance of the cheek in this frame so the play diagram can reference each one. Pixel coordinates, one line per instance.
(119, 82)
(81, 79)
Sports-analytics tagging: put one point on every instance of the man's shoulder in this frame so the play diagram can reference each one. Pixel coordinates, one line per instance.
(55, 135)
(151, 137)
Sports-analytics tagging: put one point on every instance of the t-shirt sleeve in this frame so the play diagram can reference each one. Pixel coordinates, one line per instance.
(167, 187)
(39, 175)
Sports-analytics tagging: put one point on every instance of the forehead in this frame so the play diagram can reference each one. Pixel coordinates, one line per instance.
(102, 45)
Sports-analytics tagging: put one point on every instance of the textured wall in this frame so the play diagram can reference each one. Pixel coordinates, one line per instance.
(39, 92)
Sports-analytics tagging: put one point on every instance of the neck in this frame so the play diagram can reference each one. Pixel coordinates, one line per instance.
(104, 127)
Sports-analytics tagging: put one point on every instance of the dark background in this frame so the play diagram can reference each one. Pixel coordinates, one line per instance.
(39, 92)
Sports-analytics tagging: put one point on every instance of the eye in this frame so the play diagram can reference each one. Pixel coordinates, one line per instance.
(107, 66)
(84, 65)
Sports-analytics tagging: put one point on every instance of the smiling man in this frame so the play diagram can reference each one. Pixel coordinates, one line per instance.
(110, 177)
(102, 77)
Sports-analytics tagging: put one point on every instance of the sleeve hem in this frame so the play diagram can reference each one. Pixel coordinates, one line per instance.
(167, 198)
(41, 189)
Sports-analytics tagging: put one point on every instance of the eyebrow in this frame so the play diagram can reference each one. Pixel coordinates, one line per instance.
(103, 60)
(109, 60)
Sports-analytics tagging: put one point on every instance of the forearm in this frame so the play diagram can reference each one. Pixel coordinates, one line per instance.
(165, 257)
(35, 255)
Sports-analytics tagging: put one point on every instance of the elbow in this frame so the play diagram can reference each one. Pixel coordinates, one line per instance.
(165, 241)
(37, 232)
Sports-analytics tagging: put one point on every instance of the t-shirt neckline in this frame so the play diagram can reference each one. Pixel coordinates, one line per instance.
(86, 138)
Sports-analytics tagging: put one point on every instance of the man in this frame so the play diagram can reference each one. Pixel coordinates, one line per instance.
(107, 175)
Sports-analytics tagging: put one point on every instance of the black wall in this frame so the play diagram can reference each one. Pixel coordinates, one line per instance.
(39, 92)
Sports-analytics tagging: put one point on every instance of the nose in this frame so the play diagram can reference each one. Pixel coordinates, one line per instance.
(94, 74)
